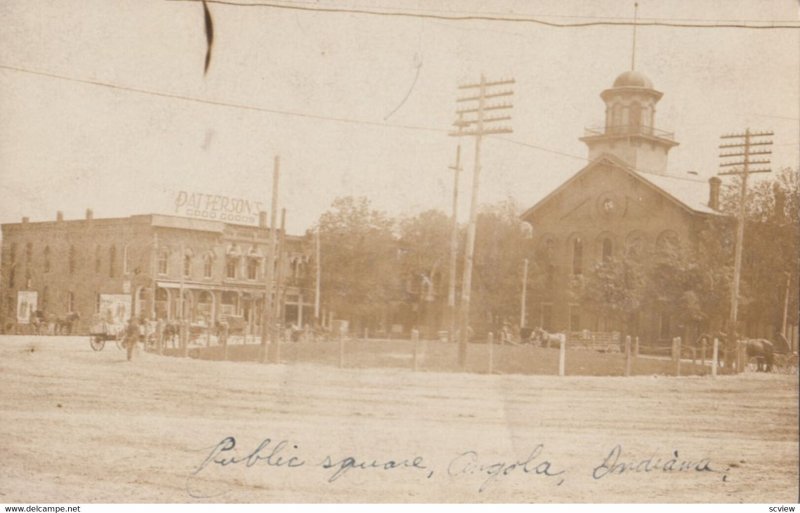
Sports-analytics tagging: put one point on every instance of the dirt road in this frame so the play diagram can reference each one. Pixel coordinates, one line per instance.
(84, 426)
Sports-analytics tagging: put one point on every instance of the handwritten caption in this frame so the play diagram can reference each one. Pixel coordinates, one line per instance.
(288, 456)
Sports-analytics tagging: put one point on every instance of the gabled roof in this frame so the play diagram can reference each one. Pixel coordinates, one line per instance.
(690, 194)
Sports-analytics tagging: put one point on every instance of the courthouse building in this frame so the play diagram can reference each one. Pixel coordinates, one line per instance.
(142, 264)
(624, 200)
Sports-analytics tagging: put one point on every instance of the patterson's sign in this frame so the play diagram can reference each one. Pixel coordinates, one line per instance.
(217, 207)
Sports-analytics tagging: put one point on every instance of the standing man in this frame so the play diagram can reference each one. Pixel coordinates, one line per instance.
(131, 336)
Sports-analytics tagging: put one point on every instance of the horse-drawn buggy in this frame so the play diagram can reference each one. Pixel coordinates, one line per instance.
(102, 331)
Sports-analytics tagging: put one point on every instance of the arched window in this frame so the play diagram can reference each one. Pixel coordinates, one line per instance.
(635, 115)
(208, 265)
(97, 259)
(252, 268)
(231, 265)
(607, 249)
(112, 259)
(616, 118)
(232, 261)
(667, 242)
(125, 266)
(187, 265)
(47, 259)
(577, 256)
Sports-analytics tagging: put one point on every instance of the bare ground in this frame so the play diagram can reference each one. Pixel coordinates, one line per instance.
(84, 426)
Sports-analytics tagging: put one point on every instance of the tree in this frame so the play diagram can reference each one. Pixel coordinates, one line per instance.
(615, 288)
(425, 246)
(771, 252)
(501, 245)
(359, 260)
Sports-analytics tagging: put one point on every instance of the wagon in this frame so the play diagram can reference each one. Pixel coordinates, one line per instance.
(101, 332)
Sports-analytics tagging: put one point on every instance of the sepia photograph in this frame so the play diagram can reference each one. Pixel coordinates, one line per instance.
(399, 251)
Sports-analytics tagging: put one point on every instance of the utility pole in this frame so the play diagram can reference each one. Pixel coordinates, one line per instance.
(524, 294)
(473, 121)
(451, 294)
(278, 314)
(266, 321)
(319, 275)
(742, 152)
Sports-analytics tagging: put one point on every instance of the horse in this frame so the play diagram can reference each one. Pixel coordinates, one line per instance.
(763, 351)
(64, 325)
(541, 337)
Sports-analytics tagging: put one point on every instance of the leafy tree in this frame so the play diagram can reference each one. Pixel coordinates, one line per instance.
(360, 271)
(425, 246)
(771, 252)
(501, 245)
(615, 288)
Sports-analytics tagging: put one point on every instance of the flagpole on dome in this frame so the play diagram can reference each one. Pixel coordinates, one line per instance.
(635, 21)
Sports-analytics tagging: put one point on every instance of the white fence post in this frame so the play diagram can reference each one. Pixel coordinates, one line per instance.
(627, 355)
(715, 358)
(490, 342)
(415, 341)
(562, 353)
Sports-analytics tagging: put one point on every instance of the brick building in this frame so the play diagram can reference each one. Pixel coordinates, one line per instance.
(623, 200)
(141, 264)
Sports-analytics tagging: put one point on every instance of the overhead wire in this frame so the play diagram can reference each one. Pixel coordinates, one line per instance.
(769, 25)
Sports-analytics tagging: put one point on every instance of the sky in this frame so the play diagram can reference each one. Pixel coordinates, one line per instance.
(356, 104)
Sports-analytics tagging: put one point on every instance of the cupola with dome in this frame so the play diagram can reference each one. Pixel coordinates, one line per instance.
(629, 131)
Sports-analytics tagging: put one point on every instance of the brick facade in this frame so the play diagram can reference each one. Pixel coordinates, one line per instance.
(219, 266)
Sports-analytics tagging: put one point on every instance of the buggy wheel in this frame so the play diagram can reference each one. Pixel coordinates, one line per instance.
(96, 342)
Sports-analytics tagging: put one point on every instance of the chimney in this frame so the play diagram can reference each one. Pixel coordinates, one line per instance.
(25, 220)
(713, 192)
(262, 219)
(59, 216)
(89, 214)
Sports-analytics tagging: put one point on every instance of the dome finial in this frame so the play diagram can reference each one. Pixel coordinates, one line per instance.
(633, 49)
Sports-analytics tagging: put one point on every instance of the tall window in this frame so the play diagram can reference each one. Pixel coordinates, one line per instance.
(125, 269)
(71, 301)
(187, 266)
(71, 259)
(577, 256)
(45, 297)
(112, 258)
(607, 249)
(163, 262)
(252, 268)
(13, 256)
(47, 259)
(12, 276)
(208, 265)
(231, 263)
(635, 114)
(28, 253)
(97, 259)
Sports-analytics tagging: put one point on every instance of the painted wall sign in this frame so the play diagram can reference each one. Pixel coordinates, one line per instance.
(27, 302)
(217, 207)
